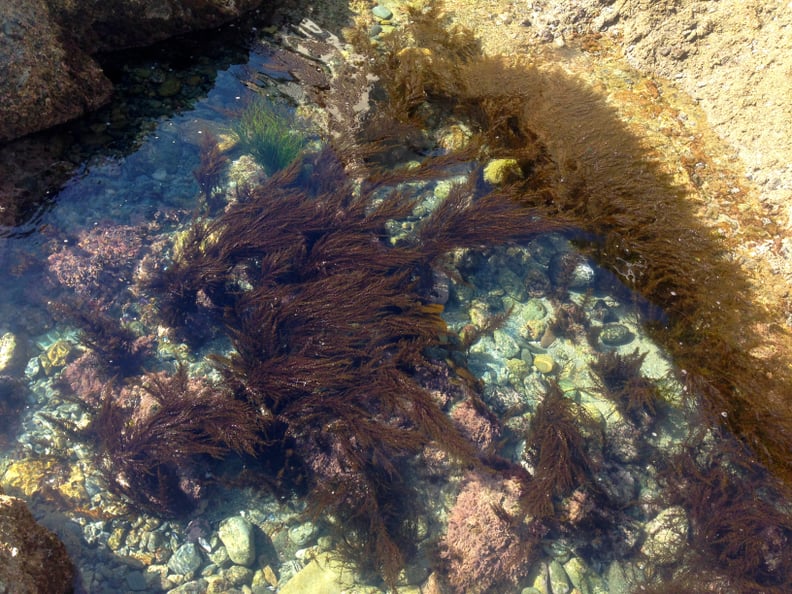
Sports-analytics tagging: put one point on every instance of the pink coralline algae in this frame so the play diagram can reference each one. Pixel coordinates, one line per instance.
(84, 378)
(476, 424)
(102, 258)
(489, 543)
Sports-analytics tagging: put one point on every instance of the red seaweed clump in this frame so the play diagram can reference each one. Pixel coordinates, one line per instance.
(489, 543)
(101, 260)
(85, 377)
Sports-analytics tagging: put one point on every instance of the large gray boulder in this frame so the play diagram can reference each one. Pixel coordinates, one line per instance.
(47, 74)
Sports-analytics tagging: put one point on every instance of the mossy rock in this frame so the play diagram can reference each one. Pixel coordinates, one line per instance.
(501, 171)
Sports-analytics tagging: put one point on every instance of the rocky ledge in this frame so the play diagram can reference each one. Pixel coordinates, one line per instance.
(47, 73)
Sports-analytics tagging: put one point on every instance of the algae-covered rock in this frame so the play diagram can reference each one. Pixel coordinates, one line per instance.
(32, 559)
(500, 171)
(666, 536)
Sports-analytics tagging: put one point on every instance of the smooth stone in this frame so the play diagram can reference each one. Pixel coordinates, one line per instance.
(238, 575)
(302, 534)
(194, 587)
(33, 368)
(513, 285)
(9, 352)
(220, 556)
(382, 12)
(322, 575)
(186, 560)
(533, 309)
(579, 575)
(538, 578)
(236, 533)
(615, 335)
(557, 578)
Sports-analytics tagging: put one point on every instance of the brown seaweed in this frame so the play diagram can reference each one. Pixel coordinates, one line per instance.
(329, 319)
(557, 449)
(120, 351)
(151, 440)
(739, 530)
(620, 379)
(329, 323)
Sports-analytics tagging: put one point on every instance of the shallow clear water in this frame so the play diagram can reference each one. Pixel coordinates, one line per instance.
(132, 192)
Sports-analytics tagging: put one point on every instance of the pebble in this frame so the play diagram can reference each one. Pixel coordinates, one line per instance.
(580, 576)
(33, 368)
(238, 575)
(382, 12)
(302, 534)
(557, 578)
(616, 335)
(513, 285)
(9, 352)
(186, 560)
(544, 363)
(236, 533)
(194, 587)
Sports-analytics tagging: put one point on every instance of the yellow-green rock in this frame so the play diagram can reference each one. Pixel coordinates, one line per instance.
(25, 476)
(517, 368)
(499, 171)
(323, 575)
(544, 363)
(56, 356)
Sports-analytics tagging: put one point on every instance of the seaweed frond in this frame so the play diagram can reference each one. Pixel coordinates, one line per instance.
(557, 449)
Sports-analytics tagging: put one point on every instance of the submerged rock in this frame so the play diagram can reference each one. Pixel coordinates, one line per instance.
(236, 533)
(47, 74)
(32, 559)
(323, 575)
(615, 335)
(667, 536)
